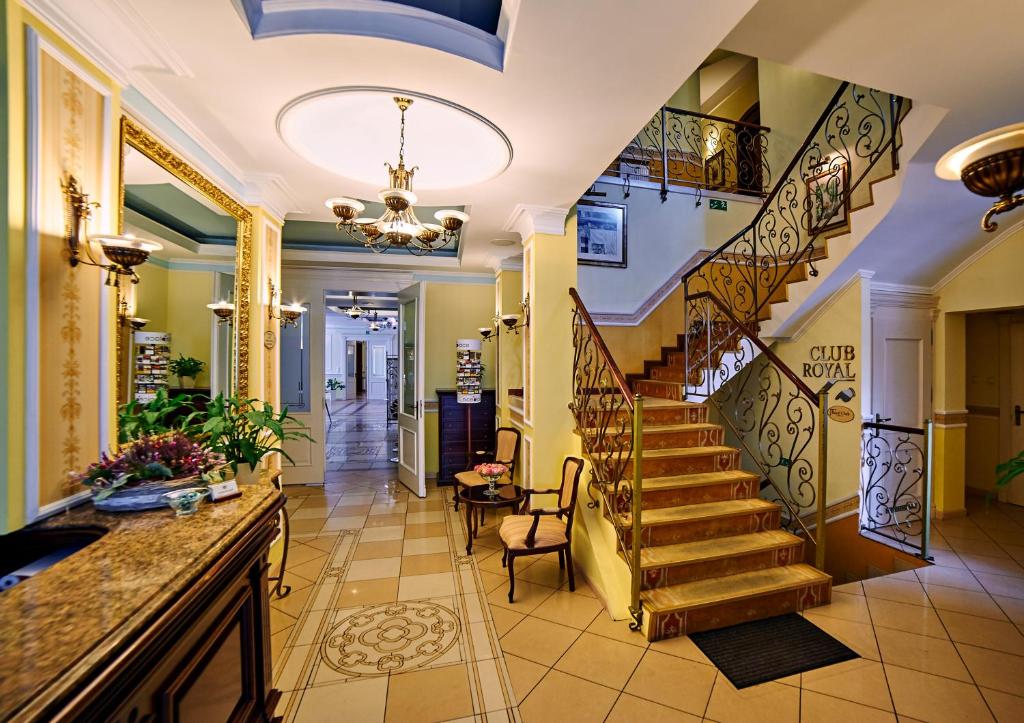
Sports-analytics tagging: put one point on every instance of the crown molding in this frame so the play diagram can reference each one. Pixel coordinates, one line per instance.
(973, 258)
(510, 263)
(529, 220)
(272, 192)
(904, 296)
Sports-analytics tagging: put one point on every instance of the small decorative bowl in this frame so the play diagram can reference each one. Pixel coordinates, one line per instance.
(185, 502)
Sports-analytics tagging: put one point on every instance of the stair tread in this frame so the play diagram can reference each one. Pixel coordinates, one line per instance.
(704, 510)
(702, 593)
(714, 548)
(710, 449)
(697, 479)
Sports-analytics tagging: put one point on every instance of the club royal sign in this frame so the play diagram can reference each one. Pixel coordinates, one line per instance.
(832, 361)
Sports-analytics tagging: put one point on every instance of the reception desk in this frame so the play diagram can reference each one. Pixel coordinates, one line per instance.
(163, 618)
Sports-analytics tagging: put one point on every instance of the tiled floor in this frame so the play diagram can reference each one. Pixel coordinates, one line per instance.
(359, 436)
(376, 569)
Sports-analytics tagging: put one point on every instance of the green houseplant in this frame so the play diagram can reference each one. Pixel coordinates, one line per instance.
(1007, 471)
(161, 414)
(186, 367)
(333, 385)
(244, 431)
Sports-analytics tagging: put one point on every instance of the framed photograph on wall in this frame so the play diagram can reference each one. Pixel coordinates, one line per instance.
(601, 234)
(828, 197)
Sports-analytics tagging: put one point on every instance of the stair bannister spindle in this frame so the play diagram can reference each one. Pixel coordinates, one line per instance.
(636, 610)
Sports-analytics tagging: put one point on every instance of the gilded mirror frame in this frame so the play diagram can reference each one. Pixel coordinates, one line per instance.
(134, 135)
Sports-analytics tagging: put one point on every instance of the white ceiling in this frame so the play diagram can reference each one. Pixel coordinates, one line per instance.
(579, 79)
(964, 56)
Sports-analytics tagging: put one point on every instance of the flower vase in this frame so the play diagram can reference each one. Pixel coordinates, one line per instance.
(491, 490)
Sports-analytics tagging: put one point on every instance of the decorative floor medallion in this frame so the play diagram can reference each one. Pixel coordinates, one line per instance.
(390, 638)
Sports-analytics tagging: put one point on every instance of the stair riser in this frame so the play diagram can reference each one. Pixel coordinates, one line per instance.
(674, 624)
(662, 391)
(691, 438)
(673, 415)
(691, 530)
(689, 464)
(740, 490)
(704, 569)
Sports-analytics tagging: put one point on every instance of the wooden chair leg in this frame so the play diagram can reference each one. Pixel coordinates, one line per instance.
(504, 557)
(511, 577)
(568, 562)
(455, 496)
(561, 559)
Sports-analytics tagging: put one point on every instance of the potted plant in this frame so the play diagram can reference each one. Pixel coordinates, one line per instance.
(138, 475)
(333, 385)
(244, 431)
(186, 367)
(1009, 470)
(161, 414)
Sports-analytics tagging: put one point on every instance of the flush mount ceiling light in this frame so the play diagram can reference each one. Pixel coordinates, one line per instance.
(398, 227)
(992, 165)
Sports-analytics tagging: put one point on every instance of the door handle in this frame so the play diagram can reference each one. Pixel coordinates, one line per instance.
(1017, 414)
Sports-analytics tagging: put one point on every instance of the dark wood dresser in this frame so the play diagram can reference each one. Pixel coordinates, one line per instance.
(453, 432)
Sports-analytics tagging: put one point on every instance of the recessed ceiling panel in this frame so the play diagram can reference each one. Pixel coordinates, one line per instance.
(353, 131)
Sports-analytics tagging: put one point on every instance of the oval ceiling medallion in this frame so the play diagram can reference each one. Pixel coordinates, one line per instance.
(352, 132)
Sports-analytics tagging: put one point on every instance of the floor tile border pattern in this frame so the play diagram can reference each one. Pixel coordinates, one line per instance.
(468, 585)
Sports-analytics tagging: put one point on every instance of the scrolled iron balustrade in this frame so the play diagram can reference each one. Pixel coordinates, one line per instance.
(704, 152)
(895, 484)
(609, 421)
(810, 200)
(775, 418)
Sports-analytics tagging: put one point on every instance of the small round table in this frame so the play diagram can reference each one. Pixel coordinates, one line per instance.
(474, 499)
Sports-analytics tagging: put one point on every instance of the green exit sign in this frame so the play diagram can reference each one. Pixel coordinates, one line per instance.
(718, 204)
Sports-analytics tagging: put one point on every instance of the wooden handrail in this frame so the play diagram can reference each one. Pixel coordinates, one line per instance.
(620, 379)
(718, 119)
(790, 374)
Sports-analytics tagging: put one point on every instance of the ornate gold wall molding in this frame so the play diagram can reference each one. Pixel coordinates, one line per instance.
(139, 138)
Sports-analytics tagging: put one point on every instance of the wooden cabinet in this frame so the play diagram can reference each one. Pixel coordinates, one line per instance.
(454, 428)
(204, 657)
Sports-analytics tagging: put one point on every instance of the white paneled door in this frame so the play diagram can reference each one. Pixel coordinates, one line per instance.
(1015, 491)
(411, 455)
(901, 365)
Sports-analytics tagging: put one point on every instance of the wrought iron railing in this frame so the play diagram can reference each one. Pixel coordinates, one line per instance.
(811, 200)
(778, 422)
(681, 148)
(609, 421)
(895, 485)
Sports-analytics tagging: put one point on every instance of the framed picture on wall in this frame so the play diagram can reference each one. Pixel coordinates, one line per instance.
(601, 234)
(714, 170)
(829, 201)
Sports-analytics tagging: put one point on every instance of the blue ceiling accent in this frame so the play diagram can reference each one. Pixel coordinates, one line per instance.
(466, 28)
(171, 207)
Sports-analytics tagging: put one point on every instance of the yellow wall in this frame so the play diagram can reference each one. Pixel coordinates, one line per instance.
(69, 314)
(510, 346)
(188, 319)
(151, 296)
(453, 311)
(990, 282)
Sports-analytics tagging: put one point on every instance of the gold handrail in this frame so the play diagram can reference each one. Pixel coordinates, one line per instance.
(609, 421)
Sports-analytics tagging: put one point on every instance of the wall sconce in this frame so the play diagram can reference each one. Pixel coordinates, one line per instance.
(487, 332)
(991, 165)
(223, 310)
(288, 313)
(137, 323)
(123, 253)
(512, 321)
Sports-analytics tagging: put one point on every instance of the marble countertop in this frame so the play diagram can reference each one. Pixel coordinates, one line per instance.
(59, 626)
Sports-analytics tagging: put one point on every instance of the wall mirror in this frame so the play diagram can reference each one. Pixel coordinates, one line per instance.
(206, 237)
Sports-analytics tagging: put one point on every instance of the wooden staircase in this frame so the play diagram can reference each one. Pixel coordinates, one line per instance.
(713, 553)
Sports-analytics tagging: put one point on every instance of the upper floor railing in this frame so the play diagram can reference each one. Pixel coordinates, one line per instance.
(609, 421)
(704, 152)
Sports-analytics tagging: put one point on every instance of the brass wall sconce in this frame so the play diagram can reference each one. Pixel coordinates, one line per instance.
(515, 322)
(287, 313)
(487, 333)
(123, 253)
(224, 311)
(136, 323)
(991, 165)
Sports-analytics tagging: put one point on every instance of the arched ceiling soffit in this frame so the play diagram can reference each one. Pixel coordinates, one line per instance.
(467, 29)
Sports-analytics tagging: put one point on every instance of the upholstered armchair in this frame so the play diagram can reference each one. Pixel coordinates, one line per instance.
(506, 452)
(537, 531)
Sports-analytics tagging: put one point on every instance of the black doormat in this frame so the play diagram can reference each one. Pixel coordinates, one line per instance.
(763, 650)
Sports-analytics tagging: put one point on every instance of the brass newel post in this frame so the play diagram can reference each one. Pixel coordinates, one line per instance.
(819, 547)
(926, 502)
(638, 474)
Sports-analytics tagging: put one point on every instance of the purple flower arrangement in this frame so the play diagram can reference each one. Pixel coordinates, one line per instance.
(155, 458)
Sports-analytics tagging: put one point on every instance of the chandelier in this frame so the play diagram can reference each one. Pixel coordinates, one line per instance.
(355, 311)
(398, 227)
(376, 323)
